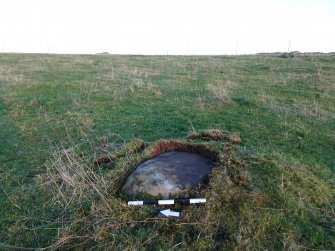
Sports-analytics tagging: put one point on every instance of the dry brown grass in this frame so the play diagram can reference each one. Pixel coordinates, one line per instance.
(74, 183)
(141, 87)
(33, 102)
(221, 89)
(265, 98)
(312, 109)
(8, 75)
(135, 72)
(72, 177)
(134, 146)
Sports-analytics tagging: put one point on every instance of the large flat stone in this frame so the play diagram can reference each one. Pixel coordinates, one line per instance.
(168, 174)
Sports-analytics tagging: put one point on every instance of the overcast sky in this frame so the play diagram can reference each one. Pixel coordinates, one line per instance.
(166, 26)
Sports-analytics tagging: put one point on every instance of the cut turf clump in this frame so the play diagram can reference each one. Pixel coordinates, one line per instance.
(175, 145)
(215, 134)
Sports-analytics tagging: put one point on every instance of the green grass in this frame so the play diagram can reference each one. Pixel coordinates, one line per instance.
(284, 110)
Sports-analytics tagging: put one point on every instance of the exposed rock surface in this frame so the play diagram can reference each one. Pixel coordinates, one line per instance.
(168, 174)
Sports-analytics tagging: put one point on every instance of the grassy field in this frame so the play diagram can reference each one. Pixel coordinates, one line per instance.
(58, 113)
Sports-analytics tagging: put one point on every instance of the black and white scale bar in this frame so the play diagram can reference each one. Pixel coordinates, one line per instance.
(167, 202)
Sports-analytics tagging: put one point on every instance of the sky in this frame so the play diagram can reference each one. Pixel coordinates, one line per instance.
(184, 27)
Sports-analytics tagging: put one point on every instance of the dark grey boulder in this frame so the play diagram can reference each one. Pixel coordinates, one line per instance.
(168, 174)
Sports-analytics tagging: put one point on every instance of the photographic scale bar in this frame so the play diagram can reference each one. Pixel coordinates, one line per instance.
(167, 202)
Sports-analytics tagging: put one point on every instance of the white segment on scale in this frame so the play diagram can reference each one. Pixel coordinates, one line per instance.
(135, 203)
(165, 202)
(195, 201)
